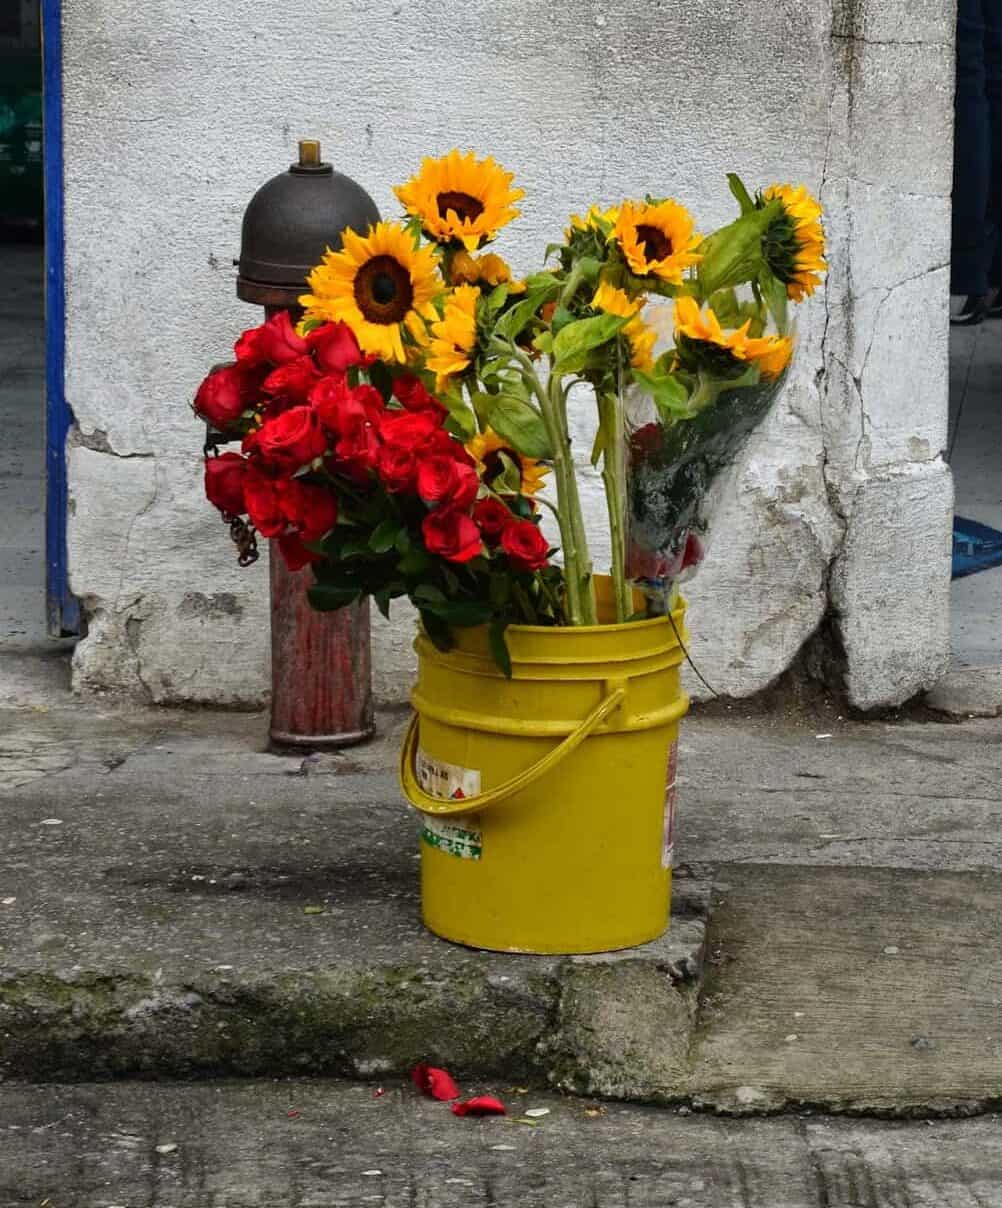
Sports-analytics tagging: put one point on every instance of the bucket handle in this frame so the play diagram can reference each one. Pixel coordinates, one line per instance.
(471, 805)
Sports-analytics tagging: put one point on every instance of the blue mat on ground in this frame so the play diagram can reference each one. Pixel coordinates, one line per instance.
(975, 547)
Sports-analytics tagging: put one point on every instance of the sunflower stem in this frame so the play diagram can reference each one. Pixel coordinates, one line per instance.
(610, 410)
(581, 607)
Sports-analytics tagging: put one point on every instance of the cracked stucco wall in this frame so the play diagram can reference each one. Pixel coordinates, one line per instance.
(836, 519)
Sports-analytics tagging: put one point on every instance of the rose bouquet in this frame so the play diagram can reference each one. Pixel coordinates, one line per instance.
(400, 436)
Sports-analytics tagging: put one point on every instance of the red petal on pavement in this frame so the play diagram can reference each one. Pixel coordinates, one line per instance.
(434, 1082)
(480, 1105)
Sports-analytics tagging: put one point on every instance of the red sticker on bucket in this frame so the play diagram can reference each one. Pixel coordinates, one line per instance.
(668, 841)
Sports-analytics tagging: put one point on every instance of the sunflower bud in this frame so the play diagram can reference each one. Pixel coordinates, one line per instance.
(733, 254)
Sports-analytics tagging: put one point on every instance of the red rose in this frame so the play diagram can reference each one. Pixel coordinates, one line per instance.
(276, 341)
(435, 1082)
(310, 508)
(447, 483)
(694, 551)
(442, 442)
(295, 553)
(411, 392)
(223, 396)
(359, 448)
(525, 545)
(342, 408)
(335, 347)
(263, 502)
(224, 483)
(408, 429)
(451, 535)
(292, 381)
(246, 348)
(291, 440)
(396, 468)
(493, 518)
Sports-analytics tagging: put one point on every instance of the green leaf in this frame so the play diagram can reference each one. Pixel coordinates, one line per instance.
(384, 536)
(414, 563)
(668, 393)
(573, 344)
(740, 192)
(325, 597)
(463, 613)
(382, 599)
(382, 379)
(311, 325)
(519, 424)
(499, 646)
(513, 321)
(437, 630)
(544, 342)
(774, 292)
(509, 481)
(562, 317)
(427, 593)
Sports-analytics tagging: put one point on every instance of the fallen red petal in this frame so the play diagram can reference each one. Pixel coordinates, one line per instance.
(293, 1115)
(434, 1082)
(480, 1105)
(378, 1092)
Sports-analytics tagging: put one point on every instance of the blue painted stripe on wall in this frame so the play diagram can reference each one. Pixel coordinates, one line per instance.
(63, 610)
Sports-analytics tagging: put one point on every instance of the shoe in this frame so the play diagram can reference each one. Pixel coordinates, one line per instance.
(975, 308)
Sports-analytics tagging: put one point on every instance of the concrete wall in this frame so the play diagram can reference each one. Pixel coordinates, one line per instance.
(175, 115)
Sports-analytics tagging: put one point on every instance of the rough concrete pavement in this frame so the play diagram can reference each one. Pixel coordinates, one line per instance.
(326, 1145)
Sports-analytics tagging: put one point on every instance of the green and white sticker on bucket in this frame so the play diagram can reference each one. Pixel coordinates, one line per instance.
(449, 782)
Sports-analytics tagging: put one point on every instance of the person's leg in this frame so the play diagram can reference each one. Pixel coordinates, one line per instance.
(971, 255)
(992, 14)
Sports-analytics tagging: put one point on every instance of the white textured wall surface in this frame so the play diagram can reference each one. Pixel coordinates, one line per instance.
(176, 113)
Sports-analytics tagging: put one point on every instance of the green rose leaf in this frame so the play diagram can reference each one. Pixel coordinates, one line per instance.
(327, 598)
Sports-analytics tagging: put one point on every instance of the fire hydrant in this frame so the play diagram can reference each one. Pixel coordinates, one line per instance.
(321, 668)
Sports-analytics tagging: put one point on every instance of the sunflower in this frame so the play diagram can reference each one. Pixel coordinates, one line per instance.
(485, 449)
(461, 198)
(454, 336)
(379, 284)
(794, 244)
(657, 240)
(701, 340)
(489, 270)
(641, 338)
(596, 219)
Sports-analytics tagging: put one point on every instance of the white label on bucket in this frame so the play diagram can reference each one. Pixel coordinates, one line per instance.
(448, 782)
(668, 841)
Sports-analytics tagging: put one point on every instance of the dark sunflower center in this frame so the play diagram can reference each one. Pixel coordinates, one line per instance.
(383, 290)
(711, 358)
(494, 464)
(656, 244)
(464, 205)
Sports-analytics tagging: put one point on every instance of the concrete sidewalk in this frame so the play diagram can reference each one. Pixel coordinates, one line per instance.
(324, 1145)
(176, 901)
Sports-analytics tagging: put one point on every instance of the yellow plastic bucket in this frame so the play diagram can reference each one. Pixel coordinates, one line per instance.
(547, 800)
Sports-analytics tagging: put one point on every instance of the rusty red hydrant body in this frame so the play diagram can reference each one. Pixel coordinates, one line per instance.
(321, 667)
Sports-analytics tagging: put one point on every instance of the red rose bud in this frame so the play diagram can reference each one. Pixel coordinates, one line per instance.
(396, 469)
(291, 440)
(480, 1105)
(434, 1082)
(310, 508)
(441, 481)
(264, 507)
(223, 396)
(292, 381)
(294, 552)
(694, 551)
(525, 545)
(411, 393)
(335, 347)
(451, 535)
(408, 429)
(276, 341)
(493, 518)
(224, 483)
